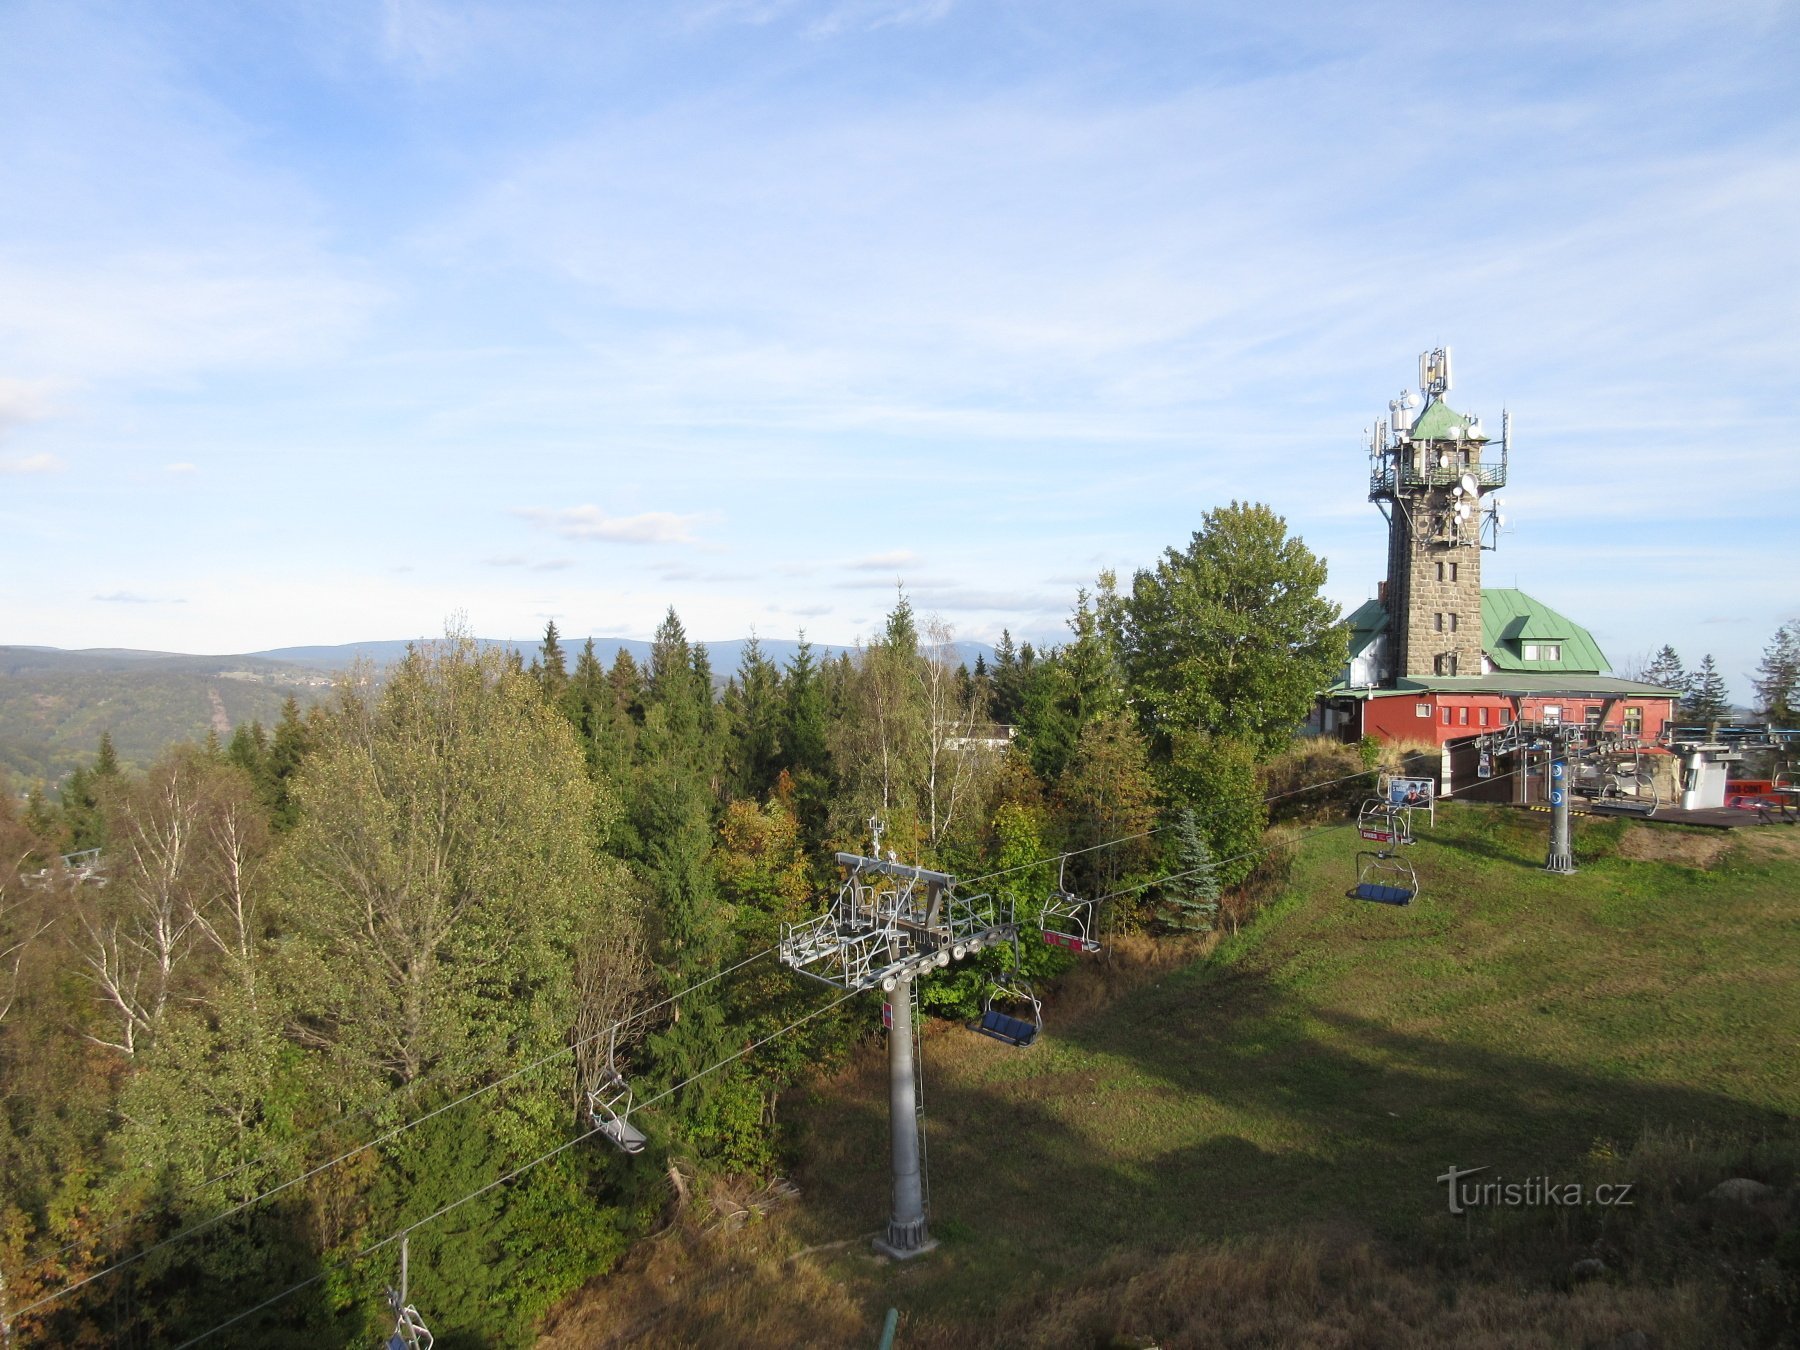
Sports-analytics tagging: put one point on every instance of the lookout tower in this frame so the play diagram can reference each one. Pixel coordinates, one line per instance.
(1428, 474)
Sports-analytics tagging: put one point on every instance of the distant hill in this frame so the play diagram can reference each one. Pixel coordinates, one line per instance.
(55, 703)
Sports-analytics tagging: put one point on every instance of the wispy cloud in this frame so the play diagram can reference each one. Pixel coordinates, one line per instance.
(530, 564)
(590, 522)
(884, 562)
(39, 463)
(133, 598)
(181, 467)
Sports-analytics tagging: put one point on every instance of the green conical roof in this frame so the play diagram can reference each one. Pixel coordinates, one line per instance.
(1437, 421)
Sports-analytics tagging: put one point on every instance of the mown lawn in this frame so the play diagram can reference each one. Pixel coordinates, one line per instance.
(1318, 1071)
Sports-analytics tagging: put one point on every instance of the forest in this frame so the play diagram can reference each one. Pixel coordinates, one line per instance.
(352, 976)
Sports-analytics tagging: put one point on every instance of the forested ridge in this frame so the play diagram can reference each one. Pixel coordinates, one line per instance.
(359, 969)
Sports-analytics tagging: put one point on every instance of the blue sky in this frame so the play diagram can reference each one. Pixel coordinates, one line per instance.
(327, 321)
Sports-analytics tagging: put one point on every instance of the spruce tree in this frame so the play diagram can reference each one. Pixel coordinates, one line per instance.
(286, 754)
(1665, 669)
(106, 761)
(1706, 701)
(1190, 899)
(549, 667)
(1778, 678)
(754, 706)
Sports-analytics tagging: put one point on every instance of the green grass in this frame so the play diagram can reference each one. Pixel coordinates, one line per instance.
(1328, 1063)
(1259, 1132)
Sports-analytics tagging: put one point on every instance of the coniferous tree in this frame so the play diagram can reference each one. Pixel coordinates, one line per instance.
(1665, 668)
(286, 754)
(106, 761)
(1190, 898)
(550, 668)
(1778, 678)
(1706, 701)
(754, 708)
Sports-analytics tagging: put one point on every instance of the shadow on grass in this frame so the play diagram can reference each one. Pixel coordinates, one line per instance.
(1212, 1106)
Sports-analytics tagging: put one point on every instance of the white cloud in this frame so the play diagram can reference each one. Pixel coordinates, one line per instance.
(590, 522)
(133, 598)
(884, 562)
(181, 466)
(39, 463)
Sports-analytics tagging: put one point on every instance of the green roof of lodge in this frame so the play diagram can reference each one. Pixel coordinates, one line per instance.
(1510, 619)
(1437, 421)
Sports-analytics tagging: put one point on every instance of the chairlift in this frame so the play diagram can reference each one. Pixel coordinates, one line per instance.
(410, 1331)
(1622, 782)
(1382, 822)
(609, 1105)
(1385, 878)
(1067, 920)
(609, 1108)
(1011, 1011)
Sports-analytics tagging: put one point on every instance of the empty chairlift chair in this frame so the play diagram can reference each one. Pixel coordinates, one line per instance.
(1011, 1013)
(1067, 921)
(609, 1108)
(1385, 878)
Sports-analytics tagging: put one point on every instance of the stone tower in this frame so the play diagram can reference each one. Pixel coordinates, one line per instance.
(1430, 479)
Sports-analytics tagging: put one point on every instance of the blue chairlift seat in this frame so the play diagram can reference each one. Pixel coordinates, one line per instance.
(1012, 1030)
(1384, 878)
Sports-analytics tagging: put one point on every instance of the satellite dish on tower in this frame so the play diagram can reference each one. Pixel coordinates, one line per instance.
(1468, 483)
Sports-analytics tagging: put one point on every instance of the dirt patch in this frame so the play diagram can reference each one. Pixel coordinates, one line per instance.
(1648, 843)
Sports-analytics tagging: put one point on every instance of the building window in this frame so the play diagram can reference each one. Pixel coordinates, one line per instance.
(1592, 715)
(1446, 717)
(1453, 571)
(1444, 663)
(1438, 622)
(1453, 623)
(1531, 651)
(1634, 721)
(1462, 717)
(1505, 716)
(1552, 714)
(1422, 709)
(1552, 651)
(1484, 713)
(1440, 571)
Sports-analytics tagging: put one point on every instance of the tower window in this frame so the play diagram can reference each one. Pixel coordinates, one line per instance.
(1453, 623)
(1452, 572)
(1445, 663)
(1438, 622)
(1440, 571)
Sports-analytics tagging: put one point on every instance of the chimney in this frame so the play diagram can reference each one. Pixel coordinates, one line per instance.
(1381, 593)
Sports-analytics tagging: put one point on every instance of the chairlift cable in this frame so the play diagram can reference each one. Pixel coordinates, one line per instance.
(516, 1172)
(364, 1147)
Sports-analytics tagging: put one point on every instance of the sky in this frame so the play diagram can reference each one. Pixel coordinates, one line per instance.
(326, 321)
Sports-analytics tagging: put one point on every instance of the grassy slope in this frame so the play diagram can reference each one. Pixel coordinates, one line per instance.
(1297, 1093)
